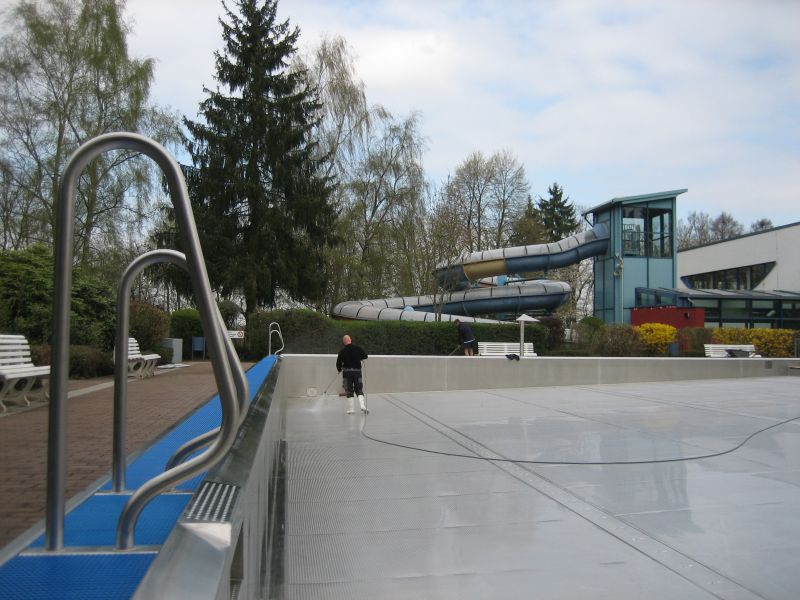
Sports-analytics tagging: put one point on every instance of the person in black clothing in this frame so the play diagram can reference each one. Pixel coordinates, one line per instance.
(466, 338)
(348, 363)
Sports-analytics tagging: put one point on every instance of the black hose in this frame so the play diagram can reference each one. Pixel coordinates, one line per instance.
(567, 462)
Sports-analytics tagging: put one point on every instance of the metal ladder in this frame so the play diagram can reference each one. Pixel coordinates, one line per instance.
(228, 373)
(275, 327)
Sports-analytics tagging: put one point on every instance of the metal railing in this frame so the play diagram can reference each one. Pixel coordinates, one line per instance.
(275, 327)
(57, 419)
(121, 375)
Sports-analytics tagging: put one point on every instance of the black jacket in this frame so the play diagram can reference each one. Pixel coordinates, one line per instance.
(350, 357)
(465, 333)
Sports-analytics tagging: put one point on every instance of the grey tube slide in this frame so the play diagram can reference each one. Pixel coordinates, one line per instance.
(468, 301)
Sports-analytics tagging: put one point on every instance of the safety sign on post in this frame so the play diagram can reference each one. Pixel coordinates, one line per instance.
(236, 335)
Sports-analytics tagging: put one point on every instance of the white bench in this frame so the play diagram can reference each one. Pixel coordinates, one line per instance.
(721, 350)
(18, 374)
(504, 348)
(141, 365)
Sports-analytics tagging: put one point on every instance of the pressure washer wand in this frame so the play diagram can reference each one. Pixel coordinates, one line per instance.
(330, 383)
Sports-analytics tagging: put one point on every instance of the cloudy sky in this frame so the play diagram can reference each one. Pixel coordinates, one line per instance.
(607, 97)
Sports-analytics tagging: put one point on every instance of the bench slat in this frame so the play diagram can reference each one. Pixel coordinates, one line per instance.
(721, 350)
(504, 348)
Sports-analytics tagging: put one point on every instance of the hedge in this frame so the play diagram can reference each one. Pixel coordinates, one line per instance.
(309, 332)
(774, 343)
(185, 324)
(149, 325)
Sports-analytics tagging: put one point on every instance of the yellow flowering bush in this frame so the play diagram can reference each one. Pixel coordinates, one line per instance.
(774, 343)
(657, 337)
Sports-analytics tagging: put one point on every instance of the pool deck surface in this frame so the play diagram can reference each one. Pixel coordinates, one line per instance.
(456, 514)
(155, 404)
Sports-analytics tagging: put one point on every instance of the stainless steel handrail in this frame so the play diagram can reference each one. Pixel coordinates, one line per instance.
(118, 462)
(57, 419)
(242, 394)
(275, 329)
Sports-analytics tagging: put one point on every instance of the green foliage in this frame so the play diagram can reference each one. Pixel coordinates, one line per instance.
(230, 312)
(26, 300)
(557, 214)
(657, 337)
(620, 340)
(86, 362)
(165, 354)
(308, 332)
(65, 77)
(589, 335)
(260, 199)
(149, 325)
(692, 340)
(185, 324)
(26, 292)
(555, 332)
(528, 228)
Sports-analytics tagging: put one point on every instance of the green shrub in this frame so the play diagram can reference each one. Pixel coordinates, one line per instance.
(230, 312)
(40, 354)
(555, 332)
(86, 362)
(149, 325)
(26, 300)
(692, 340)
(621, 340)
(165, 354)
(589, 335)
(185, 324)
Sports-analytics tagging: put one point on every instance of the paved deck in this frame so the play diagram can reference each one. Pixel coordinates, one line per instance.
(370, 520)
(154, 405)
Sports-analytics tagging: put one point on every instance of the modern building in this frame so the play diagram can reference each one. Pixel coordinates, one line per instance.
(749, 281)
(640, 251)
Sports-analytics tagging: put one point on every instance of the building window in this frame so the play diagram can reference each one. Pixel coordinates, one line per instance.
(646, 232)
(741, 278)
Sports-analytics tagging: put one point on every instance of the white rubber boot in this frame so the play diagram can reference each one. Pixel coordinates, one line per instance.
(362, 403)
(351, 405)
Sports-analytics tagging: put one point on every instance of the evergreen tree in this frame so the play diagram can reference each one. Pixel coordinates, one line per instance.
(527, 228)
(260, 198)
(557, 214)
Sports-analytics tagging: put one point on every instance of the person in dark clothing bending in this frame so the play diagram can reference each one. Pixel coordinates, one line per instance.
(466, 338)
(348, 363)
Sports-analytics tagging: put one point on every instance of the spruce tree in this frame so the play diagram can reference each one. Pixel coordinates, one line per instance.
(261, 201)
(527, 228)
(557, 214)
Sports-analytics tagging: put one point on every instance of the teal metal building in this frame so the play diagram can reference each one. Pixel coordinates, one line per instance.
(641, 251)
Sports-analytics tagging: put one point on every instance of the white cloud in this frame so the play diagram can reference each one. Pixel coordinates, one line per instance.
(609, 98)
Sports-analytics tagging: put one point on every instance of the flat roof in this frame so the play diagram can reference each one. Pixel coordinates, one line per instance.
(636, 199)
(714, 294)
(744, 235)
(452, 511)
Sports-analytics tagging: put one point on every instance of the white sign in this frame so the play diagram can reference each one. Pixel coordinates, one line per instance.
(236, 335)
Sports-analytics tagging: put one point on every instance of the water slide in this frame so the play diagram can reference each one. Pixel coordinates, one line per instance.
(480, 268)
